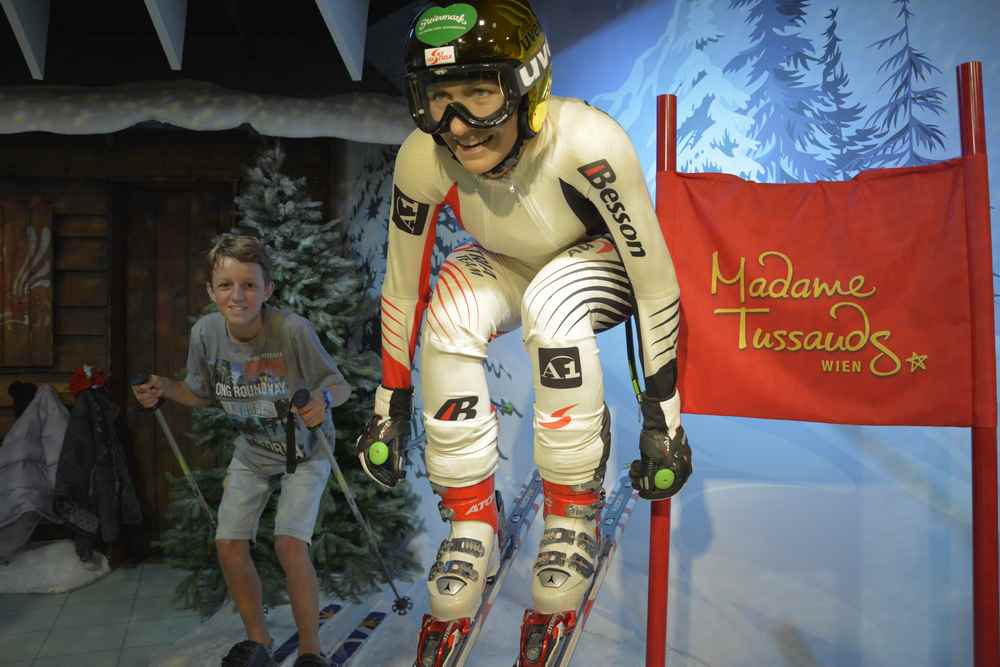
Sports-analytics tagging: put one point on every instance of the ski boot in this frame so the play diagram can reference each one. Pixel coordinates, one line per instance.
(466, 560)
(564, 569)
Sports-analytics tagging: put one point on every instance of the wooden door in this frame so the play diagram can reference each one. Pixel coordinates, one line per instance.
(168, 233)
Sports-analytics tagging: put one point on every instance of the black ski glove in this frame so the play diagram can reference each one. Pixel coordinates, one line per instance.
(665, 457)
(381, 447)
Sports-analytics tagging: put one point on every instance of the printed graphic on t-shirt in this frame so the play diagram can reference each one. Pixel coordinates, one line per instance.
(256, 398)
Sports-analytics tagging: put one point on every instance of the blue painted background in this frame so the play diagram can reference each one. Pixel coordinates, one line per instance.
(793, 543)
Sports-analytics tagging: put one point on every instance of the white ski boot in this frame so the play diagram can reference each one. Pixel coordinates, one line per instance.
(564, 569)
(466, 560)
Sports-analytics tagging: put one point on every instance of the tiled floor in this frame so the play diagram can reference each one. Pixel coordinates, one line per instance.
(122, 620)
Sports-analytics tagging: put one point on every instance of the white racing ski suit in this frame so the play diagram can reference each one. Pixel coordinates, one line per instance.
(567, 244)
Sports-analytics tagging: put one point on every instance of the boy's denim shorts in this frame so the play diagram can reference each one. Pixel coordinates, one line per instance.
(246, 491)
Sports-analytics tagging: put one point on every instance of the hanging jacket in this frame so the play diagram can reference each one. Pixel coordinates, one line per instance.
(94, 492)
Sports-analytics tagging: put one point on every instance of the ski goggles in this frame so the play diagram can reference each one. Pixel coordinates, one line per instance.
(483, 96)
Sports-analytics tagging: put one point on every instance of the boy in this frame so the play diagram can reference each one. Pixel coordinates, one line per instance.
(251, 358)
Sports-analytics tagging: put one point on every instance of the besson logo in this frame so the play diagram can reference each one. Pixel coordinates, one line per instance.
(599, 174)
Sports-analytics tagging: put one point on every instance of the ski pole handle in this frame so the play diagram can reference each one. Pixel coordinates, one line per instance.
(143, 378)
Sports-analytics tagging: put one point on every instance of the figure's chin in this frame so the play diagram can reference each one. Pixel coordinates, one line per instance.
(478, 166)
(479, 158)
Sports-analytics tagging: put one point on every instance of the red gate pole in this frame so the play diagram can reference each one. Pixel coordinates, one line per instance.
(985, 586)
(659, 511)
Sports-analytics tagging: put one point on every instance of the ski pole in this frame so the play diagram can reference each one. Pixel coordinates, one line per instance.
(402, 604)
(143, 378)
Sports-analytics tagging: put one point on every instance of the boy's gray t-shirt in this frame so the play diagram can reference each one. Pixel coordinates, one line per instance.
(254, 382)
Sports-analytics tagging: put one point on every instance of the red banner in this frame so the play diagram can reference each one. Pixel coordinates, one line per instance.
(844, 302)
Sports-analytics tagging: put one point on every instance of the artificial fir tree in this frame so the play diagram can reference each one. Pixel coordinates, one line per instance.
(314, 277)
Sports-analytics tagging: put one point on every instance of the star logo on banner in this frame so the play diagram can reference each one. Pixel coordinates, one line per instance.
(918, 362)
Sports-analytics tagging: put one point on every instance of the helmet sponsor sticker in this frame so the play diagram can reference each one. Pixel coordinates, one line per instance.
(408, 214)
(439, 55)
(440, 25)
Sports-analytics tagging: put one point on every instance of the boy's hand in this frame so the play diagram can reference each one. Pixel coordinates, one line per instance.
(150, 392)
(314, 411)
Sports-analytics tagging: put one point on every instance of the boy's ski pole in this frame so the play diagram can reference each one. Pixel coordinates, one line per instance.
(402, 604)
(143, 378)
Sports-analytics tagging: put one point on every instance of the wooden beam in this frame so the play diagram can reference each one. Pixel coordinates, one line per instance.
(30, 21)
(347, 21)
(168, 18)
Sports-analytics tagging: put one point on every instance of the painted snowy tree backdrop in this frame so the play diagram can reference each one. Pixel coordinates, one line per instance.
(901, 122)
(848, 144)
(771, 90)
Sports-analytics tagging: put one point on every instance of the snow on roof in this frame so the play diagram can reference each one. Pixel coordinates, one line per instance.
(196, 105)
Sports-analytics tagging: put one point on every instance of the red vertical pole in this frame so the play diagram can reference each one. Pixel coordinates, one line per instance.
(985, 581)
(659, 511)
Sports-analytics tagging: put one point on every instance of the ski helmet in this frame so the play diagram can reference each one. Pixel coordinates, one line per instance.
(499, 41)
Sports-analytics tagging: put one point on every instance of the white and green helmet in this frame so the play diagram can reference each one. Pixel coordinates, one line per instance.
(500, 41)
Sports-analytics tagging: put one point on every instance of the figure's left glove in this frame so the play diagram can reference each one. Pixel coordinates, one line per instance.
(381, 447)
(665, 457)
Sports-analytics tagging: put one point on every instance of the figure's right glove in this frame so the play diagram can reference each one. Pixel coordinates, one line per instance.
(381, 446)
(665, 457)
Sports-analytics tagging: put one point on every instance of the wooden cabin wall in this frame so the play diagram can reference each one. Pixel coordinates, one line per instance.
(135, 215)
(81, 225)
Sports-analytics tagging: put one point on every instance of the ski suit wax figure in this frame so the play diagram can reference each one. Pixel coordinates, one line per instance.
(567, 245)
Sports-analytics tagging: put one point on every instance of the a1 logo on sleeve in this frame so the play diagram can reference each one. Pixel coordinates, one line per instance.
(559, 367)
(408, 214)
